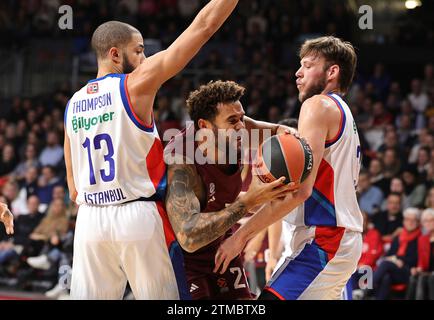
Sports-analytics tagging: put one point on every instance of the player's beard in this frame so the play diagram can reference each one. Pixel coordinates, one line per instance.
(314, 89)
(127, 67)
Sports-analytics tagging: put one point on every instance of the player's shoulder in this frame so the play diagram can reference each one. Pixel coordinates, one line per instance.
(319, 100)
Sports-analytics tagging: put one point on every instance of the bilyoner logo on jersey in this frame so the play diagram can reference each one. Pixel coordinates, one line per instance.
(92, 88)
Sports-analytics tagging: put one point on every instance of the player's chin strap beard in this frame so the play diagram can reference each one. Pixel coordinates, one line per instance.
(127, 67)
(316, 88)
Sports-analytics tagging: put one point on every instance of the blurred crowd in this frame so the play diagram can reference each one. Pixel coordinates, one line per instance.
(271, 20)
(395, 119)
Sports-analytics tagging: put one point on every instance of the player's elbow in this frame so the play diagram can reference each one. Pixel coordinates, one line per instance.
(188, 244)
(187, 240)
(73, 195)
(304, 193)
(189, 248)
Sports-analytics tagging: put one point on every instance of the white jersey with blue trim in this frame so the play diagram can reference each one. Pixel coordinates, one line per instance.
(333, 201)
(115, 157)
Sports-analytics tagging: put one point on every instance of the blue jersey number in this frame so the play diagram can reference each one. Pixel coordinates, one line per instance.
(106, 177)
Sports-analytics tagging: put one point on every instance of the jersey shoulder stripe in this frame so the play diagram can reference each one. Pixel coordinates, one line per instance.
(332, 141)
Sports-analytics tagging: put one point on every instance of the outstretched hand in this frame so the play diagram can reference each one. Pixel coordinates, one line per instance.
(227, 252)
(7, 218)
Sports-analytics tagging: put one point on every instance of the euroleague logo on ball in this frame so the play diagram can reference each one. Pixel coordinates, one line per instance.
(286, 156)
(309, 155)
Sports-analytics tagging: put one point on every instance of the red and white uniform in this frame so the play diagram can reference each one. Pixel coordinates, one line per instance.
(327, 242)
(122, 232)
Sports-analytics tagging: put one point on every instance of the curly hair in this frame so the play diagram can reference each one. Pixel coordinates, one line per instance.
(202, 103)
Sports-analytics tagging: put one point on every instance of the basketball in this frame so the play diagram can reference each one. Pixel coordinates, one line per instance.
(284, 155)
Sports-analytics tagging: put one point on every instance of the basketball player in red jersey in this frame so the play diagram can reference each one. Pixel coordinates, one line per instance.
(203, 201)
(7, 218)
(327, 241)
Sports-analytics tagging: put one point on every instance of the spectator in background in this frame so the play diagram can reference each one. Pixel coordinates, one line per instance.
(29, 186)
(415, 191)
(60, 255)
(59, 193)
(428, 81)
(24, 226)
(365, 119)
(392, 164)
(391, 142)
(52, 154)
(401, 257)
(397, 186)
(18, 204)
(46, 183)
(53, 225)
(382, 117)
(274, 114)
(405, 131)
(164, 116)
(380, 80)
(377, 176)
(389, 222)
(430, 172)
(406, 110)
(30, 160)
(424, 139)
(429, 200)
(52, 233)
(11, 135)
(32, 138)
(8, 160)
(419, 101)
(370, 196)
(421, 286)
(372, 250)
(422, 162)
(372, 244)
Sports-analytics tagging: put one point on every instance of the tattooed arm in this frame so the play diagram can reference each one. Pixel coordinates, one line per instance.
(195, 229)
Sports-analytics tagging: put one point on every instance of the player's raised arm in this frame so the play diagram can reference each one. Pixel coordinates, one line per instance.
(195, 229)
(157, 69)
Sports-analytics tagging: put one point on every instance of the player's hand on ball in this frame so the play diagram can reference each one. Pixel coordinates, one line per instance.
(292, 131)
(227, 252)
(7, 218)
(260, 193)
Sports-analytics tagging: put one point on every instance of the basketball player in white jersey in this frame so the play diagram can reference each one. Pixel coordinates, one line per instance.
(115, 166)
(7, 218)
(327, 240)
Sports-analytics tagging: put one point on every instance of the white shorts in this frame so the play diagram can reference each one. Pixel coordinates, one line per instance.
(323, 260)
(121, 243)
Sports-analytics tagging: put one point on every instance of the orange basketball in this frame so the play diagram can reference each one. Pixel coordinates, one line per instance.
(284, 155)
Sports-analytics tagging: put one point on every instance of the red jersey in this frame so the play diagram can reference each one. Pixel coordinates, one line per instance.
(222, 189)
(373, 248)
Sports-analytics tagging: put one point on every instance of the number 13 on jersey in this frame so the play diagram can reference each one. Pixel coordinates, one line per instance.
(97, 145)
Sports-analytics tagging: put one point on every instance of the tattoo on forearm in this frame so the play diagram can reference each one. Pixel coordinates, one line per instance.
(195, 229)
